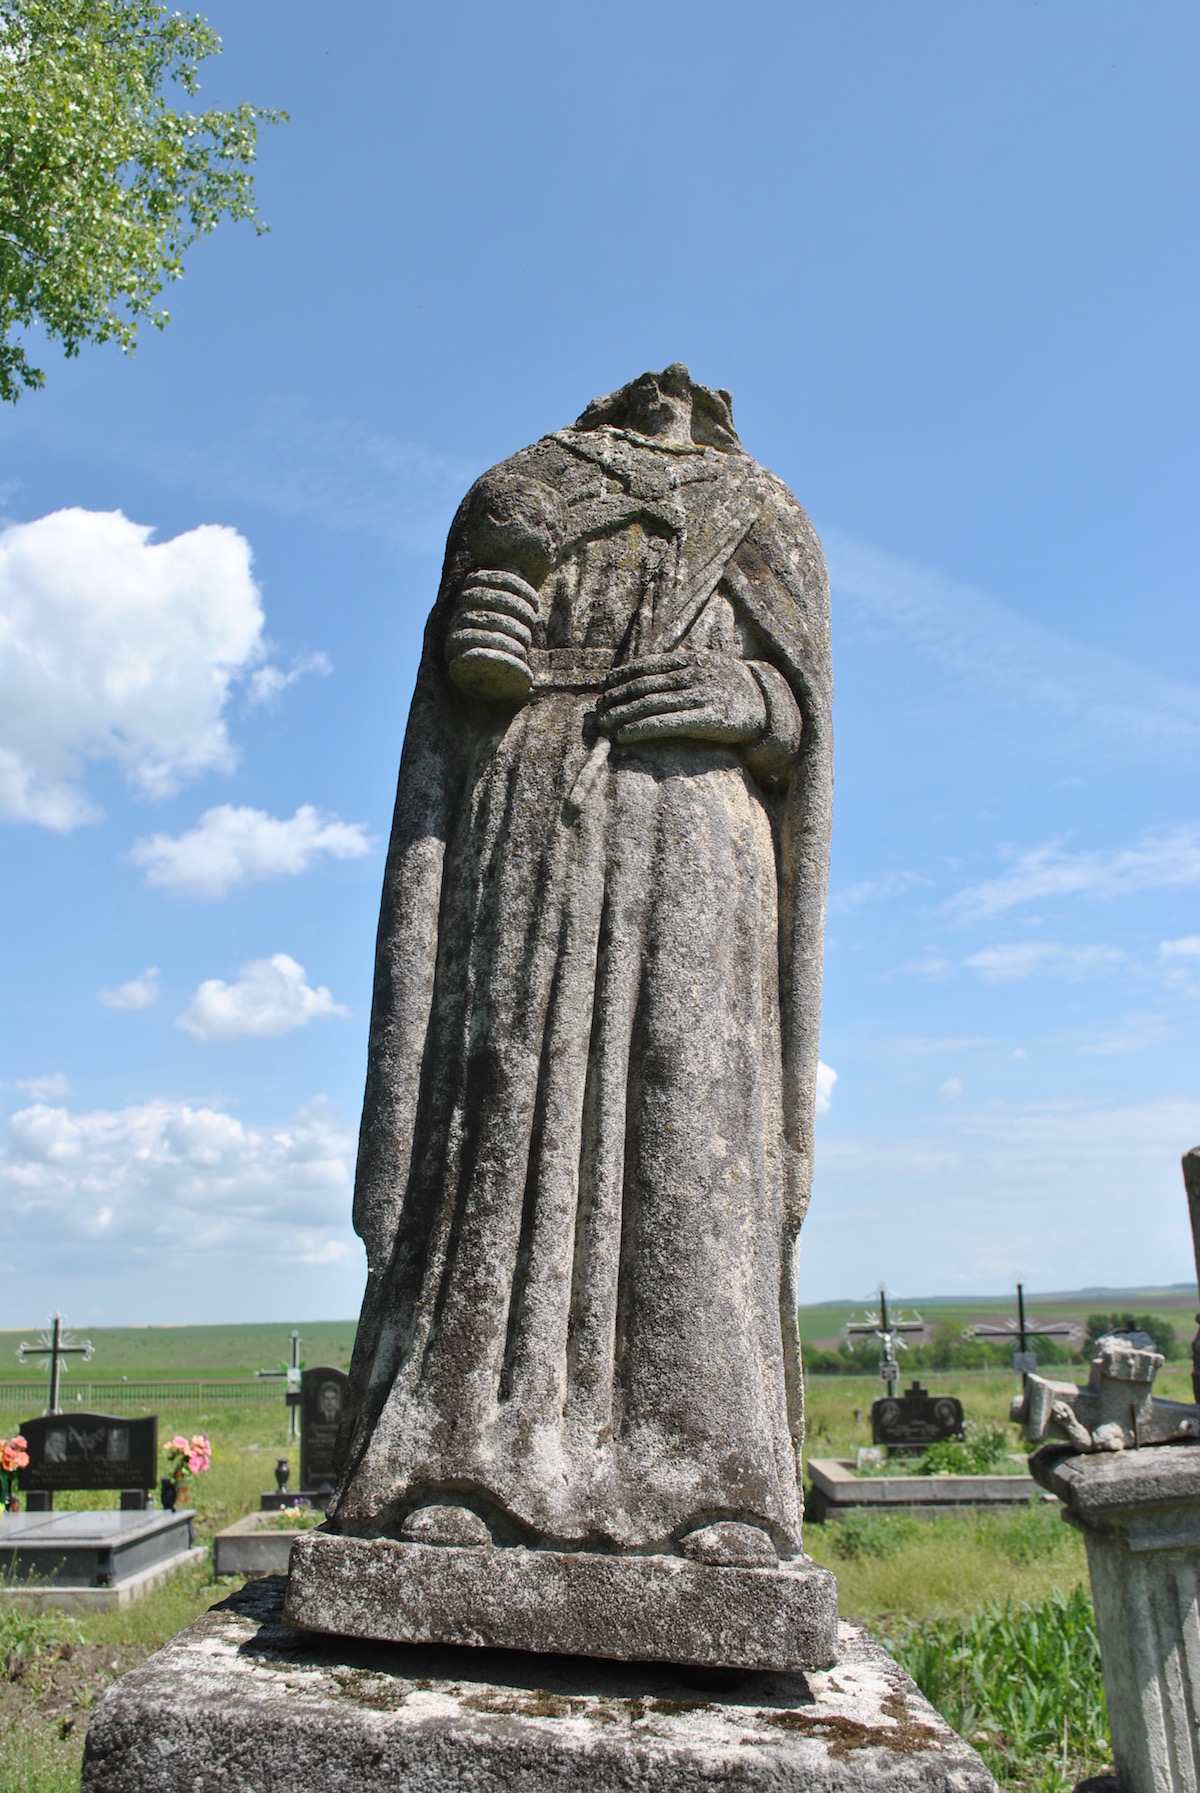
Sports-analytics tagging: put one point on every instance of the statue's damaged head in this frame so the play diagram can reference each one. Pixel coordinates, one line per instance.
(669, 406)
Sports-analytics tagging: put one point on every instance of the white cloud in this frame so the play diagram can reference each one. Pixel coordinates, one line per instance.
(826, 1078)
(269, 998)
(45, 1089)
(140, 992)
(332, 471)
(1137, 1033)
(1042, 1189)
(932, 964)
(230, 846)
(116, 648)
(951, 1089)
(1181, 963)
(874, 890)
(167, 1181)
(267, 682)
(1027, 958)
(1084, 691)
(1160, 862)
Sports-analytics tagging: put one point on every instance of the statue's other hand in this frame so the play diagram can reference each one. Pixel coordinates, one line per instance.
(683, 696)
(487, 647)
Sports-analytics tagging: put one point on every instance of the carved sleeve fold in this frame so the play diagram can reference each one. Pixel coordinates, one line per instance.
(772, 758)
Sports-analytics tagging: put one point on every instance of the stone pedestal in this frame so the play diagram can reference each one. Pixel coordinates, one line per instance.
(577, 1603)
(243, 1703)
(1139, 1512)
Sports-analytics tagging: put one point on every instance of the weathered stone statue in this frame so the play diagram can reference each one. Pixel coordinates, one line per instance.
(575, 1404)
(586, 1143)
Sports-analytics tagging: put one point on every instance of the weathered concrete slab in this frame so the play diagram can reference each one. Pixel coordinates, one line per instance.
(585, 1603)
(837, 1490)
(248, 1548)
(241, 1701)
(47, 1596)
(97, 1550)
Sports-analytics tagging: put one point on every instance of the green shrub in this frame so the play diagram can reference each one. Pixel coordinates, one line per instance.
(983, 1448)
(1022, 1683)
(872, 1534)
(1161, 1331)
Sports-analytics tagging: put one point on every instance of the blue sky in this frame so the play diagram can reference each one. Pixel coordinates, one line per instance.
(945, 258)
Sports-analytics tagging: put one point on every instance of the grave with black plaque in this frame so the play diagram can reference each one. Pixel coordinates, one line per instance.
(88, 1453)
(322, 1401)
(915, 1419)
(77, 1558)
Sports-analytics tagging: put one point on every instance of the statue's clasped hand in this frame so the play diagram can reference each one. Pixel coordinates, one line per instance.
(487, 648)
(683, 696)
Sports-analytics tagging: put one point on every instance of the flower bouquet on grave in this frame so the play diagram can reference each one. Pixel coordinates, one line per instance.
(186, 1457)
(14, 1455)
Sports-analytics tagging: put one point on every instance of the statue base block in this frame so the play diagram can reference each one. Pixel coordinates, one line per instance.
(240, 1701)
(576, 1603)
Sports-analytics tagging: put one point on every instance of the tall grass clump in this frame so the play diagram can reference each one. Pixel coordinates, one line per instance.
(863, 1533)
(1020, 1682)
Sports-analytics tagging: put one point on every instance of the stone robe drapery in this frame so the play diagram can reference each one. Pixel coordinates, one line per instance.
(586, 1141)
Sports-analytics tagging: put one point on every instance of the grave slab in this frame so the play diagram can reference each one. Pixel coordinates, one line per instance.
(68, 1553)
(838, 1491)
(245, 1548)
(241, 1701)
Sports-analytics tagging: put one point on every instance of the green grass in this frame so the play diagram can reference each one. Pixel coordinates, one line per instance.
(150, 1351)
(1021, 1682)
(165, 1351)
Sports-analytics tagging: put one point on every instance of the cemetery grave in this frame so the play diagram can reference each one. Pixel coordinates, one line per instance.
(922, 1462)
(258, 1544)
(76, 1559)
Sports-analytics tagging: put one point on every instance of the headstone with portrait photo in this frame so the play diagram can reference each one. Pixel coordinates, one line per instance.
(86, 1452)
(322, 1400)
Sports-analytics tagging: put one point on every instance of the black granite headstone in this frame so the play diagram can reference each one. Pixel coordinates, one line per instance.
(89, 1451)
(322, 1398)
(916, 1418)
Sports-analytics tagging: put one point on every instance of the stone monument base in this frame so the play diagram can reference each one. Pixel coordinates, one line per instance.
(576, 1603)
(242, 1701)
(1139, 1512)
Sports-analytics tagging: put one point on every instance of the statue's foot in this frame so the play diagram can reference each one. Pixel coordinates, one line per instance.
(730, 1545)
(446, 1525)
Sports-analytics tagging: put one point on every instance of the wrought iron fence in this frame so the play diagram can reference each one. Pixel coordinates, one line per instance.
(29, 1398)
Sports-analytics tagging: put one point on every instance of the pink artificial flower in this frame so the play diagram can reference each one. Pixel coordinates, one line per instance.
(179, 1444)
(13, 1454)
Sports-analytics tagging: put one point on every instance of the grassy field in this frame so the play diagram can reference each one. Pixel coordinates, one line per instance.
(1178, 1305)
(172, 1352)
(948, 1595)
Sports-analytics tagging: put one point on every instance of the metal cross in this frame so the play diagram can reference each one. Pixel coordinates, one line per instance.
(887, 1331)
(290, 1372)
(55, 1344)
(1020, 1331)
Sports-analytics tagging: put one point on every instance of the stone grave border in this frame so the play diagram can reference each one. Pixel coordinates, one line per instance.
(836, 1491)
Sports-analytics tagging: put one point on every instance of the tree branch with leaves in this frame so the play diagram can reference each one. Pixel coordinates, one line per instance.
(104, 183)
